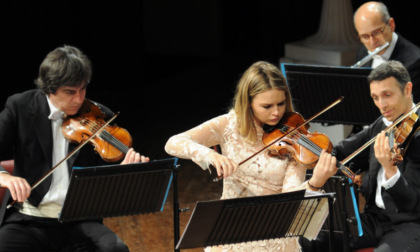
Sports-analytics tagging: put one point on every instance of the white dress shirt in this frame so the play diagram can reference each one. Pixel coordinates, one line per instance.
(52, 202)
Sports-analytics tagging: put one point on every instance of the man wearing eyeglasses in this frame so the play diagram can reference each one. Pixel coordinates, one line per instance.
(375, 27)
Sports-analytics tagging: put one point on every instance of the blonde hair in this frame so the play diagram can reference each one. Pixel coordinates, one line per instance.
(258, 78)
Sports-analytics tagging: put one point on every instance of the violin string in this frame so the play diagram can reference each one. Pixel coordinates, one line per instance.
(113, 141)
(318, 149)
(311, 146)
(403, 127)
(314, 148)
(109, 137)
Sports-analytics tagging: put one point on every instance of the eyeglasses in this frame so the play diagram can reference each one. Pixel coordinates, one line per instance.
(374, 34)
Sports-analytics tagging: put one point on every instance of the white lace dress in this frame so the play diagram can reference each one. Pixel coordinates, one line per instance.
(261, 175)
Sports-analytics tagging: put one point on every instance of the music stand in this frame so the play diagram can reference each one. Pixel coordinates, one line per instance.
(117, 190)
(256, 218)
(346, 213)
(313, 87)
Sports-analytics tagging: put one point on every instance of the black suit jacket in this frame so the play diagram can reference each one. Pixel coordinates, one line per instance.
(402, 201)
(26, 136)
(409, 55)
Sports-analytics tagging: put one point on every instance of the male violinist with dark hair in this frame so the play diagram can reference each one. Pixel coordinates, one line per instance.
(391, 217)
(30, 133)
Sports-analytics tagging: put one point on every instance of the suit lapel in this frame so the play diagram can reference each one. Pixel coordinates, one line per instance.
(42, 126)
(374, 167)
(396, 55)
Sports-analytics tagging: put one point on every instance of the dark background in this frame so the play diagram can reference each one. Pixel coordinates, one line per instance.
(165, 65)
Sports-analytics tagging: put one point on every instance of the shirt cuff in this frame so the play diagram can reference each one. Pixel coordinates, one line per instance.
(391, 181)
(3, 172)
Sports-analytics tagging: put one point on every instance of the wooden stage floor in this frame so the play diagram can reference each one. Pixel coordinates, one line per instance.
(155, 232)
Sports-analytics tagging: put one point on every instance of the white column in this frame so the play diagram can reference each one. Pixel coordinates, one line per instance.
(334, 44)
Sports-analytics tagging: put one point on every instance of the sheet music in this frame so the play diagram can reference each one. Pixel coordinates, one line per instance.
(311, 214)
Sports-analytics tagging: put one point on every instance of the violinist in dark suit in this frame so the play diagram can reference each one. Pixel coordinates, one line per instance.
(376, 27)
(391, 218)
(30, 133)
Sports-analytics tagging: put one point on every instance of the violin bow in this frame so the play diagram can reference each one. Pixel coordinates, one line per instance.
(69, 155)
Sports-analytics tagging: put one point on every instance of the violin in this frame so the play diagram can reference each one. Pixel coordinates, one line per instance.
(399, 135)
(300, 145)
(112, 143)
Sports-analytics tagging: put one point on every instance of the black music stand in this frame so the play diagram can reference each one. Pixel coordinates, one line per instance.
(256, 218)
(313, 87)
(346, 213)
(117, 190)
